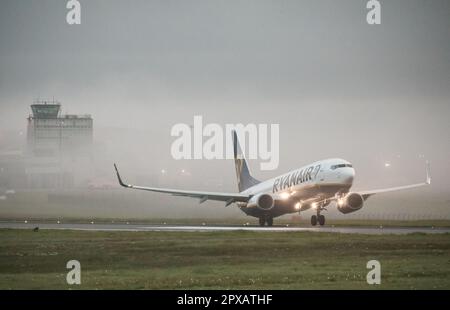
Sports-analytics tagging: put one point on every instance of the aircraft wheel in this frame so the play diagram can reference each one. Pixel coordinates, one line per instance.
(321, 220)
(262, 221)
(314, 220)
(270, 221)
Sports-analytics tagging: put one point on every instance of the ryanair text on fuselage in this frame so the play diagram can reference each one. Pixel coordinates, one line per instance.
(295, 178)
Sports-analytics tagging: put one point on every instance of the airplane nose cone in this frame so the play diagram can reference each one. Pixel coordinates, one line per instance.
(348, 176)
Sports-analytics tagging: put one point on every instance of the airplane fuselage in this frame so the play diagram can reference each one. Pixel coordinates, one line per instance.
(301, 189)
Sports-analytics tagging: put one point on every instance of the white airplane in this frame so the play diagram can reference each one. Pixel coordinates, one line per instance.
(314, 186)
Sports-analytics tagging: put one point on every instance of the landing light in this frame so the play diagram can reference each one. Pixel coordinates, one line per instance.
(297, 206)
(314, 205)
(340, 202)
(284, 195)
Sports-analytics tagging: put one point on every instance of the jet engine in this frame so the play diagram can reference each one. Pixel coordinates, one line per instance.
(263, 201)
(350, 203)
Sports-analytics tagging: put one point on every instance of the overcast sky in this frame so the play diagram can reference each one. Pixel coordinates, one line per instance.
(336, 85)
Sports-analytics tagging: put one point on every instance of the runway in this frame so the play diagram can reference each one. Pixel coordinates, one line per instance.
(151, 227)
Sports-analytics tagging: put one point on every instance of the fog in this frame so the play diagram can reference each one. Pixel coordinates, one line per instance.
(337, 87)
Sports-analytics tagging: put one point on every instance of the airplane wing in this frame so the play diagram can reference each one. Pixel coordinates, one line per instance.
(228, 198)
(367, 194)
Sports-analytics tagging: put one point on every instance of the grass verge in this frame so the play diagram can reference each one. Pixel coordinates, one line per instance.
(222, 260)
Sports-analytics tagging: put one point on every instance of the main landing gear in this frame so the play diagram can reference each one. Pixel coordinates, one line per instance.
(264, 220)
(319, 218)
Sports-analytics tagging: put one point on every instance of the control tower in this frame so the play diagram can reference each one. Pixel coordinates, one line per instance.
(58, 146)
(45, 109)
(51, 134)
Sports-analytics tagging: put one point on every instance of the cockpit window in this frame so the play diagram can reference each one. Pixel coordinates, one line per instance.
(341, 166)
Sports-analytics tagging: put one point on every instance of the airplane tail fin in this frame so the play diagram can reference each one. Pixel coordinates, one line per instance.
(245, 180)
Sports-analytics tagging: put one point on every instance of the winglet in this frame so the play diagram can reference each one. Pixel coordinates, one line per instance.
(119, 178)
(428, 173)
